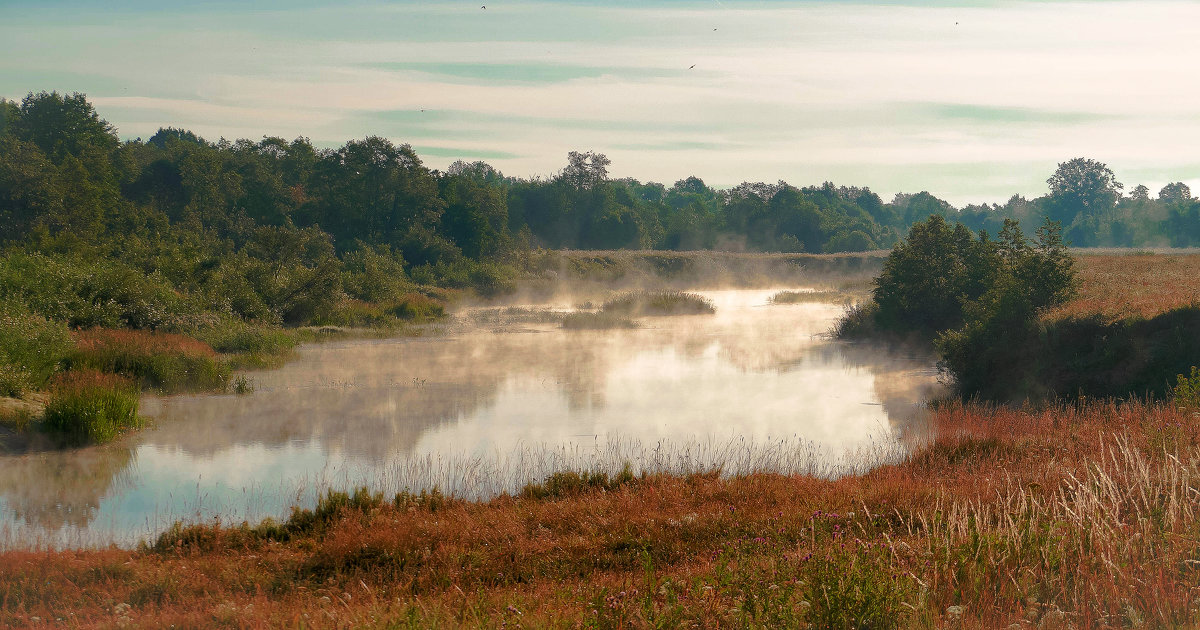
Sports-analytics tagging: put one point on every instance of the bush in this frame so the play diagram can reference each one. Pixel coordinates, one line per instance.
(237, 337)
(1187, 390)
(374, 274)
(637, 303)
(86, 293)
(417, 307)
(928, 277)
(166, 362)
(90, 407)
(31, 350)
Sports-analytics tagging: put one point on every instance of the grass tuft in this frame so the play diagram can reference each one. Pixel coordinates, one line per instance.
(806, 297)
(637, 303)
(598, 320)
(90, 407)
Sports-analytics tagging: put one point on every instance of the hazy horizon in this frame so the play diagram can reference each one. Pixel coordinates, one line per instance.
(972, 101)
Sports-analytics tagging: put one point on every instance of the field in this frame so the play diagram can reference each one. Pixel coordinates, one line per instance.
(1066, 516)
(1133, 285)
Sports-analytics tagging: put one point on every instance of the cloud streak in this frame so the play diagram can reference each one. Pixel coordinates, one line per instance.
(971, 100)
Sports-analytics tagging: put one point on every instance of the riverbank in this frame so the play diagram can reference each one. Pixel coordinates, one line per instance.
(1080, 516)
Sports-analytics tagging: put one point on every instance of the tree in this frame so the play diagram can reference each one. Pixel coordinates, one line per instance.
(9, 113)
(64, 125)
(1140, 193)
(926, 278)
(1082, 187)
(1175, 192)
(585, 170)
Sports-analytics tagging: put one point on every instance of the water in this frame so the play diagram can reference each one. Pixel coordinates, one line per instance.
(482, 409)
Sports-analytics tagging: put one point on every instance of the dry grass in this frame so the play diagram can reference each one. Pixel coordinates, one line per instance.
(1116, 286)
(1074, 515)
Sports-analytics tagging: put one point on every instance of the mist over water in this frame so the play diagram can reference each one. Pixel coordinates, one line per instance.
(496, 401)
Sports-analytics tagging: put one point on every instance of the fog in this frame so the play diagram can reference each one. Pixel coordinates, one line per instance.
(493, 400)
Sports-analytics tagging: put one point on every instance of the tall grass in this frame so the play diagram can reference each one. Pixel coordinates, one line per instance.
(598, 320)
(805, 297)
(637, 303)
(90, 407)
(162, 361)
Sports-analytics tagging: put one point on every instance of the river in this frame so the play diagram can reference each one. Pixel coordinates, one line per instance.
(497, 399)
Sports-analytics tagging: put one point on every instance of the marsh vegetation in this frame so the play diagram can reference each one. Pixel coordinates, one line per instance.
(502, 432)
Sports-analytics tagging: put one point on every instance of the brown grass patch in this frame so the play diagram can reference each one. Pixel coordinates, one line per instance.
(1116, 286)
(1084, 514)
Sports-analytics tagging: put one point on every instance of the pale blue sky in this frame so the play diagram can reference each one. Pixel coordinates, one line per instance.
(972, 100)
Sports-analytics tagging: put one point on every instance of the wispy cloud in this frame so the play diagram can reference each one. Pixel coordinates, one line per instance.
(971, 100)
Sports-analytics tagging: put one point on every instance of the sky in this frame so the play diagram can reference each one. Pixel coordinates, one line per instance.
(972, 100)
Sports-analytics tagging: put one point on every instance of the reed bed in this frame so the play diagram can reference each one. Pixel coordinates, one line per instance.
(808, 297)
(597, 320)
(1079, 516)
(636, 303)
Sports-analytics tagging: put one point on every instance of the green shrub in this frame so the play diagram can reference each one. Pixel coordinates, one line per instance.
(89, 292)
(31, 350)
(329, 507)
(855, 585)
(90, 407)
(857, 322)
(417, 307)
(1187, 390)
(637, 303)
(234, 336)
(931, 280)
(375, 274)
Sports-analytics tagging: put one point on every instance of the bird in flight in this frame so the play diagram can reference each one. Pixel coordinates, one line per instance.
(691, 66)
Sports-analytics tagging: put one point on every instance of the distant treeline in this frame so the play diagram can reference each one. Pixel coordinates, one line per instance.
(262, 227)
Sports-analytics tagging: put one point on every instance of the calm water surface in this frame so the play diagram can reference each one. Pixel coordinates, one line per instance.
(483, 409)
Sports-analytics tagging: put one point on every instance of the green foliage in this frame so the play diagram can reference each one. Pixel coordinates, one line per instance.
(234, 336)
(91, 408)
(417, 307)
(990, 354)
(854, 584)
(980, 298)
(1187, 390)
(374, 274)
(931, 275)
(940, 277)
(32, 349)
(88, 292)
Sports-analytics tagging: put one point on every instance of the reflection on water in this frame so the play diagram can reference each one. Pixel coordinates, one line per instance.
(751, 384)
